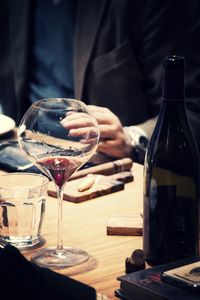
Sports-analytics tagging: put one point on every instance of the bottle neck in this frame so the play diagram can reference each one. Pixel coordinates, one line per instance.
(173, 86)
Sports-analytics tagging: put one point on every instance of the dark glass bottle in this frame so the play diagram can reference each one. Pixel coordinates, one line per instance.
(171, 176)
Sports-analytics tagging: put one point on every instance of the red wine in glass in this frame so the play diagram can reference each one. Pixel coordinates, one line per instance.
(59, 168)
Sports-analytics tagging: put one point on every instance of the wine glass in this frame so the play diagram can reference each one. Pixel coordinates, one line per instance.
(59, 135)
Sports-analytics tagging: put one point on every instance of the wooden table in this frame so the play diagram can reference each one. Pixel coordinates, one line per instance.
(84, 226)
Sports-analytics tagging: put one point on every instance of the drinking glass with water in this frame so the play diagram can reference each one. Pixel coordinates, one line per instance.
(22, 207)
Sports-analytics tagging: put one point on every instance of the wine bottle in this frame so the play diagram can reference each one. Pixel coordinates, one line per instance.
(171, 176)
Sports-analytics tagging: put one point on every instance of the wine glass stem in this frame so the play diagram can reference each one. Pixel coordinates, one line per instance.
(60, 248)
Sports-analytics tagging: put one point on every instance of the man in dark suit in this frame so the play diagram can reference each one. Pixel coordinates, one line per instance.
(118, 48)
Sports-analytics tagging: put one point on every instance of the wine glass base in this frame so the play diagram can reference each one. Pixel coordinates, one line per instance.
(53, 258)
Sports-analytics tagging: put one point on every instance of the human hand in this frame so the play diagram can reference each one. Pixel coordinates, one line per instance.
(82, 126)
(114, 140)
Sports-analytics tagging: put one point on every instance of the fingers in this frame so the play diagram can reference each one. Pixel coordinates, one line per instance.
(84, 132)
(103, 115)
(81, 127)
(112, 138)
(113, 141)
(109, 125)
(109, 131)
(77, 120)
(77, 123)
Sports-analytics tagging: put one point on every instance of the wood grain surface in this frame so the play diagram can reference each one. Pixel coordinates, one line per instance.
(85, 227)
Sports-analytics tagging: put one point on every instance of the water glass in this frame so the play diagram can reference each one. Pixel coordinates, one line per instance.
(22, 208)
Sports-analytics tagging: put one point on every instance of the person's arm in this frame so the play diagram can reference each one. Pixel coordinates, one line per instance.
(115, 141)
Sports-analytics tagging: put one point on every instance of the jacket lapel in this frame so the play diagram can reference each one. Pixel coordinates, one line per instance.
(88, 20)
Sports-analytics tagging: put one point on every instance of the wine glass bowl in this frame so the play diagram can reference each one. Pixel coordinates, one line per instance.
(59, 135)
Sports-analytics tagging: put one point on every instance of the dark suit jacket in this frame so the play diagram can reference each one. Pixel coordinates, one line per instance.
(119, 47)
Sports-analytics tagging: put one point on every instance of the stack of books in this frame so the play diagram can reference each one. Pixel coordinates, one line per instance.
(149, 285)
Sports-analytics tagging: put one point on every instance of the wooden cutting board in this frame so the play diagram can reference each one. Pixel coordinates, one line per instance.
(103, 185)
